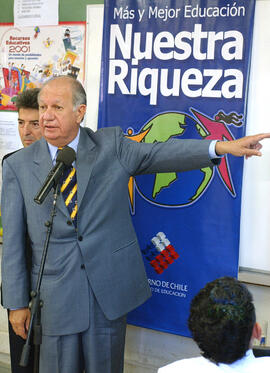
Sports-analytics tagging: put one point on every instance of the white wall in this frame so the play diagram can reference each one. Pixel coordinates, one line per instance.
(255, 214)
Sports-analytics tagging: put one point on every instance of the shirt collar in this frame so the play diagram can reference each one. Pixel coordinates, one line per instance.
(249, 356)
(73, 144)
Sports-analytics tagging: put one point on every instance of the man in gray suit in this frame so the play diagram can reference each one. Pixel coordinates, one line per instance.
(94, 273)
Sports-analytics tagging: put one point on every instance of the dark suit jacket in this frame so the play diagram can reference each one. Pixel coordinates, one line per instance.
(28, 251)
(16, 343)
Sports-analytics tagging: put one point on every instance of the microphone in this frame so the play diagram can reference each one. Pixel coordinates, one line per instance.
(65, 158)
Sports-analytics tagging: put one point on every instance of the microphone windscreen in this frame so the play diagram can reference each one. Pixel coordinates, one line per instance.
(66, 155)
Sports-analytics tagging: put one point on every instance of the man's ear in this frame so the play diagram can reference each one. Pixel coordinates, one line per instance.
(257, 332)
(81, 109)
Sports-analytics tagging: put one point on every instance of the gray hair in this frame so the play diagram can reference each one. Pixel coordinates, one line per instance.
(78, 92)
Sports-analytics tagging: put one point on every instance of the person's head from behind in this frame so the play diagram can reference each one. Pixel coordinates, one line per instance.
(28, 116)
(222, 320)
(62, 105)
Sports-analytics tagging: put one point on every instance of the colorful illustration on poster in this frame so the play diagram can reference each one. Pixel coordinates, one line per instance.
(30, 56)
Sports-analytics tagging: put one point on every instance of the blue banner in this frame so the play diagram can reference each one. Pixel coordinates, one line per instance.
(179, 69)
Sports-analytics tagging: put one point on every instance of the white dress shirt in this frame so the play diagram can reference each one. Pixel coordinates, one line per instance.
(248, 364)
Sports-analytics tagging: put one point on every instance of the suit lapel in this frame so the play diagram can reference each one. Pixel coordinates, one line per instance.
(42, 161)
(86, 155)
(42, 166)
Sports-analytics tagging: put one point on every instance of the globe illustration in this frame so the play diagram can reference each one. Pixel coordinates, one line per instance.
(173, 189)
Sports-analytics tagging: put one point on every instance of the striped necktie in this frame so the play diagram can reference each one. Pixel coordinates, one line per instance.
(69, 192)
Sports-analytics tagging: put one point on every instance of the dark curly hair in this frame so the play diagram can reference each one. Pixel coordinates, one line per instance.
(28, 99)
(221, 320)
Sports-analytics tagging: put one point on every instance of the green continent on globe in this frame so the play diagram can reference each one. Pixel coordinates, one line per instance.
(162, 128)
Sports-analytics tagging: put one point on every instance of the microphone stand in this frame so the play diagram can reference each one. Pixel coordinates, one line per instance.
(36, 303)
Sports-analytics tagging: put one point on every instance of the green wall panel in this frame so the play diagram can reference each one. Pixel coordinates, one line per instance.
(69, 10)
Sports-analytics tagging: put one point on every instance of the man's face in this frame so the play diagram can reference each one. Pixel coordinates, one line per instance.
(29, 129)
(59, 122)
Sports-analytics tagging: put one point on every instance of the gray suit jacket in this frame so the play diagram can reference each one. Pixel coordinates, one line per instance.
(103, 251)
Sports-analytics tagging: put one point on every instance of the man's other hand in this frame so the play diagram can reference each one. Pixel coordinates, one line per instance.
(19, 320)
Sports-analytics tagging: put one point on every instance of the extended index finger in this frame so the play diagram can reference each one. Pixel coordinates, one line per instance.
(262, 136)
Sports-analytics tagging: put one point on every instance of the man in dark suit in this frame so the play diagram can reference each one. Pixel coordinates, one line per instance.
(29, 131)
(94, 273)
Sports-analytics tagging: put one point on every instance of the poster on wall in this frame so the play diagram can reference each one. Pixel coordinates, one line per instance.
(179, 69)
(9, 142)
(9, 136)
(31, 55)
